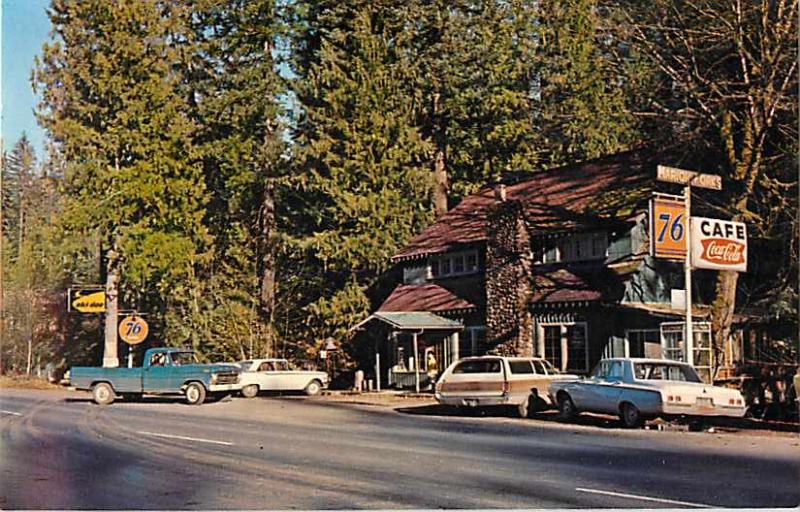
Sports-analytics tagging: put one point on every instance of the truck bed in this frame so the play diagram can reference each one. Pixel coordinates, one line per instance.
(123, 380)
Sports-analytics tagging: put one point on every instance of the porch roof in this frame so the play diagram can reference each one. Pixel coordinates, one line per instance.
(411, 321)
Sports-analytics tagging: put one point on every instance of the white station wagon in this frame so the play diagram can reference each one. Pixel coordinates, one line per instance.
(277, 375)
(637, 389)
(482, 381)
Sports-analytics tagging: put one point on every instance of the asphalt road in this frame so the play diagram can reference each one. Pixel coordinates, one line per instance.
(60, 451)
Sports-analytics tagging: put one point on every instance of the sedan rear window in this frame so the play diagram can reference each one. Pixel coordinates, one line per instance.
(483, 366)
(658, 371)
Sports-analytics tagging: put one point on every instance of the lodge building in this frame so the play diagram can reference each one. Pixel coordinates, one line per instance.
(555, 265)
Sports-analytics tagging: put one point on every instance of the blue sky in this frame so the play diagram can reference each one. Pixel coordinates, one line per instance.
(25, 28)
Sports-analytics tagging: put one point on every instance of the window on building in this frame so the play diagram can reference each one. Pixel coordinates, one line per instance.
(576, 347)
(458, 264)
(473, 341)
(565, 345)
(454, 264)
(471, 262)
(575, 247)
(552, 344)
(643, 343)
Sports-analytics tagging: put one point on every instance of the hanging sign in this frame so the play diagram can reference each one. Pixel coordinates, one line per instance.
(719, 244)
(133, 329)
(86, 300)
(684, 177)
(667, 228)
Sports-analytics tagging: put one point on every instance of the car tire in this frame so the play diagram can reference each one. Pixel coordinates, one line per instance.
(313, 388)
(250, 391)
(195, 393)
(630, 416)
(524, 408)
(103, 393)
(566, 408)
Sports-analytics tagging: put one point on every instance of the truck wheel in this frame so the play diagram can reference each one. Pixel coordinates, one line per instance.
(103, 393)
(195, 393)
(566, 408)
(313, 388)
(250, 391)
(630, 416)
(523, 409)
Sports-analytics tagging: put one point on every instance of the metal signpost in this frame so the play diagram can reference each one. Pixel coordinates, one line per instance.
(687, 179)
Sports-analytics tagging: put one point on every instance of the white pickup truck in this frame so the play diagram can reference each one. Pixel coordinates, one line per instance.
(493, 380)
(637, 389)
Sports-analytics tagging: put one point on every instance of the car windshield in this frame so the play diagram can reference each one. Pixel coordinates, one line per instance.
(181, 358)
(661, 371)
(245, 365)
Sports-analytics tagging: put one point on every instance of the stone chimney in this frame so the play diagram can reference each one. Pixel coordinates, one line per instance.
(509, 268)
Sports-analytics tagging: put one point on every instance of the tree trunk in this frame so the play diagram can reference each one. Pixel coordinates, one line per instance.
(722, 311)
(31, 305)
(110, 358)
(267, 258)
(440, 183)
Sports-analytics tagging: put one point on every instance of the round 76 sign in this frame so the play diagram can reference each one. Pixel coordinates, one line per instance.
(133, 329)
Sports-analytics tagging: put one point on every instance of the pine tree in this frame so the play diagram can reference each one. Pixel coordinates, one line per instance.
(366, 182)
(472, 65)
(231, 80)
(582, 104)
(111, 106)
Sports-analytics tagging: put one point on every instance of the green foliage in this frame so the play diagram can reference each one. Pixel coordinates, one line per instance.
(363, 164)
(582, 104)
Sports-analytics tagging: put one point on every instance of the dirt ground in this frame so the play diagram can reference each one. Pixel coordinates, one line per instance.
(26, 383)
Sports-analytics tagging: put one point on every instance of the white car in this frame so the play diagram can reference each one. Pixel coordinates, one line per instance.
(520, 382)
(277, 375)
(636, 389)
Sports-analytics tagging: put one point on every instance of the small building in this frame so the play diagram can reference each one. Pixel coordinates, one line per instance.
(555, 265)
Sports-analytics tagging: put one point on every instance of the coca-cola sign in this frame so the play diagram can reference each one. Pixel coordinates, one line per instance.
(719, 244)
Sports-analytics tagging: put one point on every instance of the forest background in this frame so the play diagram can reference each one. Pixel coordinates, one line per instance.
(242, 171)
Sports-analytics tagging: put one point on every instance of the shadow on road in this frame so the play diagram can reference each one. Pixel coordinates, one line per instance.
(152, 400)
(505, 412)
(593, 420)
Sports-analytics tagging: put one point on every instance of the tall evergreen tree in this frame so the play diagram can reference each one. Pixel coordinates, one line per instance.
(233, 86)
(582, 107)
(366, 182)
(110, 104)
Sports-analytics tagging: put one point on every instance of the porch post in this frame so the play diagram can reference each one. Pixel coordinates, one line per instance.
(454, 347)
(416, 362)
(378, 369)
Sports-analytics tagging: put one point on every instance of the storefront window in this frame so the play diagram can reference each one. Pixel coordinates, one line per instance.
(552, 344)
(565, 345)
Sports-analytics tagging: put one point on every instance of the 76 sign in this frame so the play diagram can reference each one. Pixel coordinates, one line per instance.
(667, 228)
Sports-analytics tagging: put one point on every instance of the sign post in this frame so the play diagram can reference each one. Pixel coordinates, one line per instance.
(687, 179)
(687, 268)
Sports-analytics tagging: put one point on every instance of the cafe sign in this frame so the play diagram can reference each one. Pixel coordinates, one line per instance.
(719, 244)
